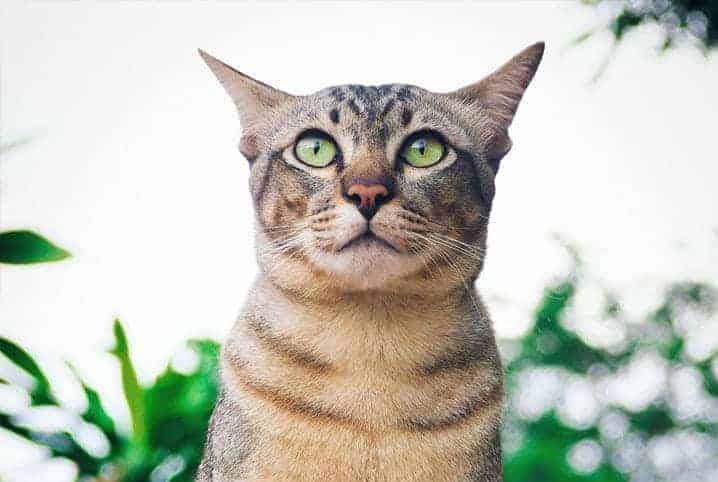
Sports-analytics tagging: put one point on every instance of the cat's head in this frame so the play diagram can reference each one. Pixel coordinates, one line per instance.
(375, 188)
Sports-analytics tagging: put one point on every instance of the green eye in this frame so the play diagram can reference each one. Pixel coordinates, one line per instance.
(423, 151)
(315, 149)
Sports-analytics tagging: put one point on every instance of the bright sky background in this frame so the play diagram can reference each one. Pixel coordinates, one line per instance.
(133, 165)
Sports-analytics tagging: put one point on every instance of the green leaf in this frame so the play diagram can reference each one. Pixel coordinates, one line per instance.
(61, 444)
(130, 385)
(179, 406)
(95, 412)
(26, 247)
(41, 392)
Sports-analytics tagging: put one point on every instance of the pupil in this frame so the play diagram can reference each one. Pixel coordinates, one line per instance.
(317, 146)
(421, 146)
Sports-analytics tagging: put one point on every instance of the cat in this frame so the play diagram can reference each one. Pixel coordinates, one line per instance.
(364, 352)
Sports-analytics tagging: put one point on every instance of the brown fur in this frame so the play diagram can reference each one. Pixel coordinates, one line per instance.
(368, 359)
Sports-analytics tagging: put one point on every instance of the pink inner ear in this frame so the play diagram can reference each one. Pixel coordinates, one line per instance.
(249, 147)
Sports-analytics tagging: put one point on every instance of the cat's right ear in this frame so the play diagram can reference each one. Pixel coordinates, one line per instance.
(249, 95)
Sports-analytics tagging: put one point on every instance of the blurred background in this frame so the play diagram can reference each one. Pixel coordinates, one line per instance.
(127, 224)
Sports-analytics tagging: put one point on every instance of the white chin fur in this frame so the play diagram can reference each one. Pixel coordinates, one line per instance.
(365, 265)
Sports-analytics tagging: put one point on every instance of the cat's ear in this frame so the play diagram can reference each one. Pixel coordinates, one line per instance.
(499, 93)
(250, 96)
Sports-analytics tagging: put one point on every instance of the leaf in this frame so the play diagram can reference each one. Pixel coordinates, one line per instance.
(710, 382)
(179, 406)
(41, 392)
(61, 444)
(130, 385)
(95, 412)
(26, 247)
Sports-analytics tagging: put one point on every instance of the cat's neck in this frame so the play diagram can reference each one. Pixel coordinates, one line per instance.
(378, 304)
(394, 331)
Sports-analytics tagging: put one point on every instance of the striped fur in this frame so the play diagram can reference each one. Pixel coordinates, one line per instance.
(355, 359)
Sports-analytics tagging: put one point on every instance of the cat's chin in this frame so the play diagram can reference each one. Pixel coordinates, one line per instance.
(366, 262)
(367, 244)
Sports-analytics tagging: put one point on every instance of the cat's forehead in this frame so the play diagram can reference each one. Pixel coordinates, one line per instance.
(369, 114)
(369, 101)
(370, 93)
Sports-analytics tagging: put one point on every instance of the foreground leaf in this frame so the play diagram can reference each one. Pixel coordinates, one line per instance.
(179, 406)
(130, 385)
(26, 247)
(41, 391)
(95, 412)
(60, 444)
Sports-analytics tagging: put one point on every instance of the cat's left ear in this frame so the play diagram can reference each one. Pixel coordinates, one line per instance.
(499, 95)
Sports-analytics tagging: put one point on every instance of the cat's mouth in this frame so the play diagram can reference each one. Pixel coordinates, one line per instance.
(367, 239)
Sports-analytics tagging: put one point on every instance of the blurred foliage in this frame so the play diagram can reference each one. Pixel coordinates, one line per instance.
(679, 19)
(26, 247)
(572, 413)
(168, 418)
(563, 420)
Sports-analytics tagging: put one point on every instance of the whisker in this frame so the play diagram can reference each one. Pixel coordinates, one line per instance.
(419, 218)
(457, 248)
(459, 244)
(449, 263)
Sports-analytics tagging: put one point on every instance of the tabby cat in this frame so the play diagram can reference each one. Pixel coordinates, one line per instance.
(364, 352)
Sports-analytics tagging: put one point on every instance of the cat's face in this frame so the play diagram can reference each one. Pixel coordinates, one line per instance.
(365, 188)
(335, 186)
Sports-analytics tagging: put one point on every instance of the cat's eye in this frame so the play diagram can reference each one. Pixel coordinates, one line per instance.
(423, 150)
(315, 149)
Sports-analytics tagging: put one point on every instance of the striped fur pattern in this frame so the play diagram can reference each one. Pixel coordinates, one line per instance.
(358, 359)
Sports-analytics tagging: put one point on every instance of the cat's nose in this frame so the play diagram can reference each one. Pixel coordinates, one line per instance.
(368, 197)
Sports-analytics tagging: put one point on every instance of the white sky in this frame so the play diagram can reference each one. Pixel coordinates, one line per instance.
(134, 167)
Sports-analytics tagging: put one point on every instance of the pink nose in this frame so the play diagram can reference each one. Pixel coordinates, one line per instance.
(367, 197)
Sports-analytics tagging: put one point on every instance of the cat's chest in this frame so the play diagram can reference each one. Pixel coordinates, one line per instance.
(299, 451)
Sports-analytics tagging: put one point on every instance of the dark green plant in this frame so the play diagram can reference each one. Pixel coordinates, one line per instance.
(679, 19)
(26, 247)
